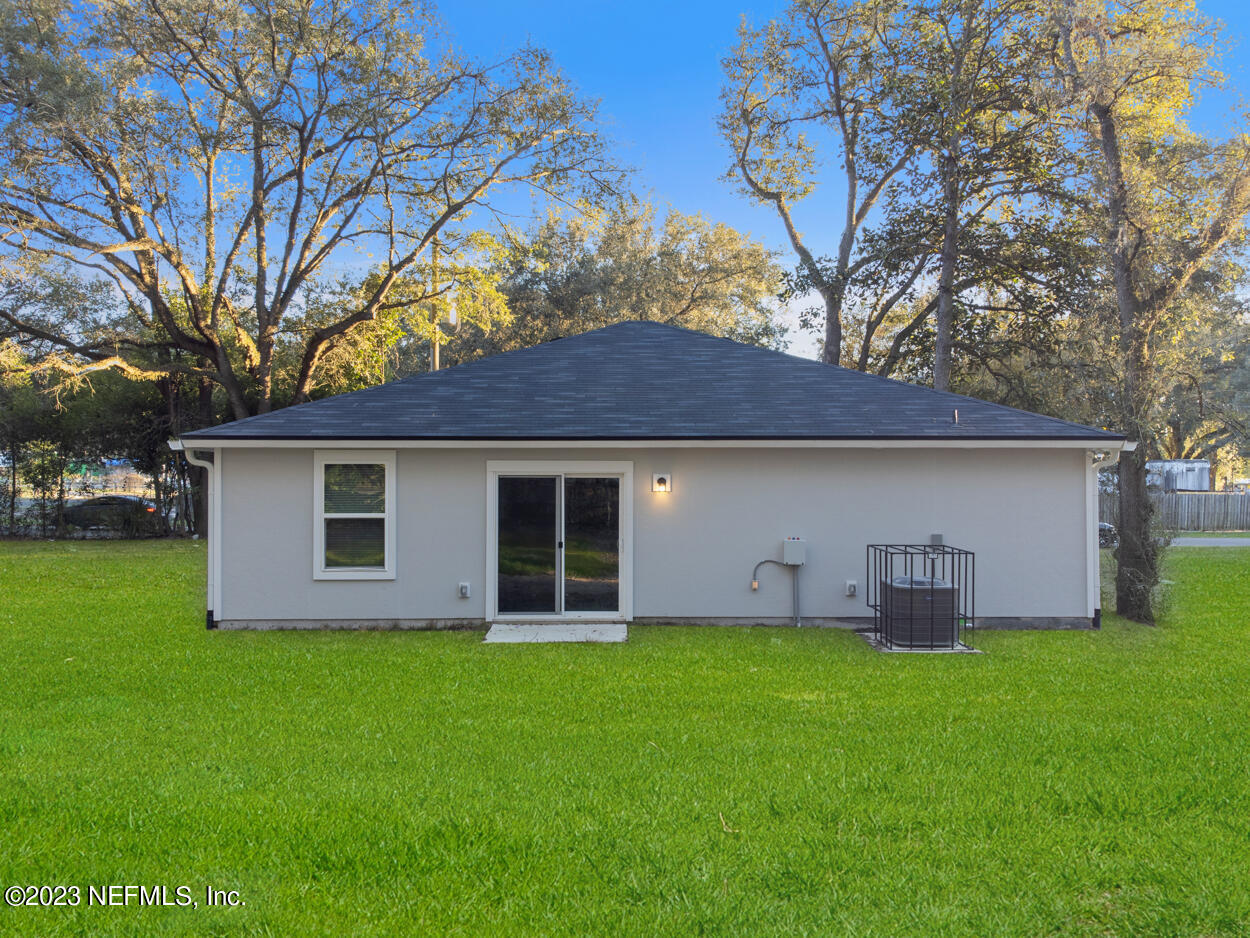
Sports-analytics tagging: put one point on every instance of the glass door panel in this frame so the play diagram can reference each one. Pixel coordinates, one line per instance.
(592, 526)
(528, 574)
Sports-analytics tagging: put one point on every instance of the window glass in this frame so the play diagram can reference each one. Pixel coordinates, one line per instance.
(353, 509)
(355, 542)
(355, 489)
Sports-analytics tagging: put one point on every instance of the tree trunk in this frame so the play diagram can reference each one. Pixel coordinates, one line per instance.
(1136, 559)
(951, 146)
(186, 507)
(832, 352)
(1137, 556)
(942, 356)
(266, 327)
(1137, 568)
(197, 478)
(834, 292)
(13, 489)
(197, 474)
(230, 383)
(60, 492)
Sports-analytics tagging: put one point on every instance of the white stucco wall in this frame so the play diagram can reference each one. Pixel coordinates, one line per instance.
(1022, 511)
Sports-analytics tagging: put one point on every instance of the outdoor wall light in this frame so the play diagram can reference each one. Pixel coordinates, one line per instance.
(662, 482)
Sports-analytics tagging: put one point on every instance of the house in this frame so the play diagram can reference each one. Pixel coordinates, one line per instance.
(637, 473)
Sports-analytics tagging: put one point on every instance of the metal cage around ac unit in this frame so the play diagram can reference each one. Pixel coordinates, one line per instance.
(921, 595)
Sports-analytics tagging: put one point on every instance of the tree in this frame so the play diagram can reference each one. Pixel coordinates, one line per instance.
(14, 402)
(818, 73)
(214, 160)
(991, 159)
(40, 304)
(1206, 412)
(951, 179)
(582, 270)
(1169, 203)
(458, 291)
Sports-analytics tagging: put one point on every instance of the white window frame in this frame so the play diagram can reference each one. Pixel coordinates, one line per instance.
(323, 458)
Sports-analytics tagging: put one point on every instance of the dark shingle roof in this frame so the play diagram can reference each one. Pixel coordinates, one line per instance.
(640, 380)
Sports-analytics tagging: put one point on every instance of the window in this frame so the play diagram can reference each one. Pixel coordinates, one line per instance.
(354, 515)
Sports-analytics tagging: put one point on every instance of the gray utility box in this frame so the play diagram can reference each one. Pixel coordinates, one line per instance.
(919, 612)
(794, 552)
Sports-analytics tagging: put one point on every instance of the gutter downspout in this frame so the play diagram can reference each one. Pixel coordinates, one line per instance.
(210, 473)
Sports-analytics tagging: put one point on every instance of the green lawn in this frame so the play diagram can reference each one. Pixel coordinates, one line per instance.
(1183, 534)
(691, 782)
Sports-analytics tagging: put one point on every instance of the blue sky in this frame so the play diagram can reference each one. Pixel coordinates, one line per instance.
(655, 67)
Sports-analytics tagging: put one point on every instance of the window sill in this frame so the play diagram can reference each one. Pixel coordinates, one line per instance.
(353, 573)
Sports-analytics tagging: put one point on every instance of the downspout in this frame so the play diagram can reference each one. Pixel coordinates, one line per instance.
(209, 467)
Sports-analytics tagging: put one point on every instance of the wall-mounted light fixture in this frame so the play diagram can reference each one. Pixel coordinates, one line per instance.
(662, 482)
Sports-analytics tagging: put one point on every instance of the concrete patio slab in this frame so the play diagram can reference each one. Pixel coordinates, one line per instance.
(528, 632)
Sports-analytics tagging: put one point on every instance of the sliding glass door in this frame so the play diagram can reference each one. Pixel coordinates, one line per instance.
(592, 533)
(529, 510)
(559, 543)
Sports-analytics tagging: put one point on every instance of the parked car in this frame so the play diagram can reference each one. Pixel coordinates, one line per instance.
(125, 513)
(1108, 536)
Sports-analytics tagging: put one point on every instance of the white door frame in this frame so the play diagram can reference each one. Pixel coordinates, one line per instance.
(562, 467)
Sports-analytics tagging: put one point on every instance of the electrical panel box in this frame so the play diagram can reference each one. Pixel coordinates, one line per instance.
(794, 551)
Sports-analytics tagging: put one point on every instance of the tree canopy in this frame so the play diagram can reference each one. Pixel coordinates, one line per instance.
(951, 178)
(580, 270)
(220, 161)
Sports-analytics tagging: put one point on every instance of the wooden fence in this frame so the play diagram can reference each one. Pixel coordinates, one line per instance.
(1189, 511)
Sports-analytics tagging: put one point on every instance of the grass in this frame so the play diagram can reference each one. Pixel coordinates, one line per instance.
(1183, 534)
(691, 782)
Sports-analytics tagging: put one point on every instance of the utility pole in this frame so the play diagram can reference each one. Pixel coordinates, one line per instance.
(438, 331)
